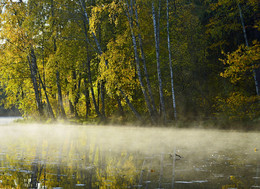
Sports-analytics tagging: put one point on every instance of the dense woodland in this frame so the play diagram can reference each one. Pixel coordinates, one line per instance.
(157, 61)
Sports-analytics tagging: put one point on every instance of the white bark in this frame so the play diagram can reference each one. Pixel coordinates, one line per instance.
(144, 63)
(170, 63)
(129, 17)
(100, 52)
(156, 36)
(246, 41)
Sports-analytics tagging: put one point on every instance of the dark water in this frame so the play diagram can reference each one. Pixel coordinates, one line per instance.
(41, 156)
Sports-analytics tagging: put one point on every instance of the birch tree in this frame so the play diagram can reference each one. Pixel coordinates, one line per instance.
(85, 25)
(170, 62)
(156, 37)
(13, 32)
(246, 42)
(144, 61)
(129, 14)
(100, 52)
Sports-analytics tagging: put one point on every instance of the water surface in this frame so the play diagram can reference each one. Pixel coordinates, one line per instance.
(48, 156)
(8, 120)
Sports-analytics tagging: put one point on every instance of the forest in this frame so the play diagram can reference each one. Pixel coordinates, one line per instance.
(147, 61)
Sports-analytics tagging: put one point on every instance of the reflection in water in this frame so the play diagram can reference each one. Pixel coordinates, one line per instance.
(113, 157)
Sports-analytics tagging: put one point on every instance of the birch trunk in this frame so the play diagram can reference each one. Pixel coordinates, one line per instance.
(170, 63)
(158, 23)
(144, 62)
(129, 17)
(156, 36)
(137, 115)
(100, 52)
(86, 22)
(246, 41)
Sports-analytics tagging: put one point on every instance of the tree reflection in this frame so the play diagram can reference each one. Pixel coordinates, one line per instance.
(84, 162)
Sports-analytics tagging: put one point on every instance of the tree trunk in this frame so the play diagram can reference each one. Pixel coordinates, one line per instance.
(73, 88)
(98, 89)
(246, 41)
(137, 115)
(120, 107)
(71, 107)
(129, 17)
(170, 63)
(47, 98)
(43, 82)
(156, 36)
(87, 101)
(91, 88)
(63, 115)
(60, 101)
(102, 88)
(144, 63)
(158, 23)
(77, 96)
(102, 84)
(86, 22)
(33, 68)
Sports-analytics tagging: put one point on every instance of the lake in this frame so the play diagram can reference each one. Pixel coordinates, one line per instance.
(8, 120)
(66, 156)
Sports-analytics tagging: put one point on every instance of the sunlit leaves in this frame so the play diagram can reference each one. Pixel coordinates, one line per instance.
(120, 71)
(241, 61)
(239, 107)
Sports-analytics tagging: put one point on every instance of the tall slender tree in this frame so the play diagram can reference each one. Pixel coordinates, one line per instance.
(129, 14)
(85, 25)
(246, 42)
(157, 48)
(170, 61)
(34, 70)
(144, 61)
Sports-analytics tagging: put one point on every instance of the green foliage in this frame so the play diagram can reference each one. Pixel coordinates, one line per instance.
(64, 40)
(239, 107)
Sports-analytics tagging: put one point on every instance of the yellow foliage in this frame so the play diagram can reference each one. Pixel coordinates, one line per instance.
(244, 59)
(238, 106)
(120, 71)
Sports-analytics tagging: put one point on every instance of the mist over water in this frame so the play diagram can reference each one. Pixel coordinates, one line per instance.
(8, 120)
(126, 157)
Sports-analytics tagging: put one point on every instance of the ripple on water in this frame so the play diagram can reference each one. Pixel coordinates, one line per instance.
(190, 182)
